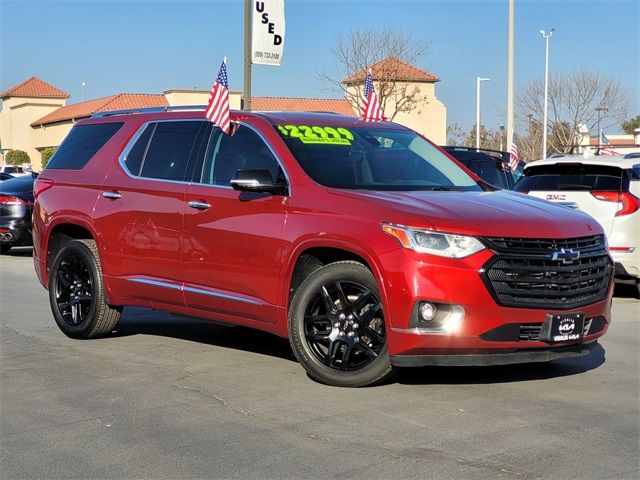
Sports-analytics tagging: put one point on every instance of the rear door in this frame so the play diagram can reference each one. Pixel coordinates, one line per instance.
(140, 210)
(233, 242)
(592, 189)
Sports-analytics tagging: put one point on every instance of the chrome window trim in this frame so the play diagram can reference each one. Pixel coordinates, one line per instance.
(136, 136)
(201, 291)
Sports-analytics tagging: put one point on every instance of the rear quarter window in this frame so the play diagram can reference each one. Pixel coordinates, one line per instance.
(573, 177)
(82, 143)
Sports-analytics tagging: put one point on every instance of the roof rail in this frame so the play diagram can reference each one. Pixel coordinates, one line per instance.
(174, 108)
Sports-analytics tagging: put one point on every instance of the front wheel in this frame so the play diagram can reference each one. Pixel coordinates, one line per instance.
(337, 329)
(76, 292)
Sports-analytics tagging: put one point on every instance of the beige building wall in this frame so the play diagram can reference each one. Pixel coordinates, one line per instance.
(16, 117)
(178, 97)
(428, 118)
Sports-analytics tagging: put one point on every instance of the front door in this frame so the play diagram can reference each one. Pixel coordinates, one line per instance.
(233, 242)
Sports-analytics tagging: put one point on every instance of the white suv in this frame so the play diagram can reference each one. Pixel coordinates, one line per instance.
(605, 187)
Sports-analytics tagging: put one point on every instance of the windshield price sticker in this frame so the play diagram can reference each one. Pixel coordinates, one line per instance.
(317, 135)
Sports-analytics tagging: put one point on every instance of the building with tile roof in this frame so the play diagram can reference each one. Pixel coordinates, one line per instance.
(35, 114)
(410, 96)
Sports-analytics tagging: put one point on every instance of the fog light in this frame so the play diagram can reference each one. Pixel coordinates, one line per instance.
(428, 311)
(454, 320)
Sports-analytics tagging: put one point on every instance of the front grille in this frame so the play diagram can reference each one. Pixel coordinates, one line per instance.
(544, 245)
(530, 332)
(523, 275)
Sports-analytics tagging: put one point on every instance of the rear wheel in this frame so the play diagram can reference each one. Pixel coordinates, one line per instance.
(337, 329)
(4, 248)
(76, 292)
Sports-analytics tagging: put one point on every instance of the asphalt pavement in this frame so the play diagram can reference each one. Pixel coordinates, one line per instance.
(174, 397)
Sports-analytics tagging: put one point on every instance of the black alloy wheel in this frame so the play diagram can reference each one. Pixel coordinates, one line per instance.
(344, 326)
(76, 292)
(337, 328)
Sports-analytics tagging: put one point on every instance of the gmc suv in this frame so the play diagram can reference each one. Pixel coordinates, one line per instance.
(363, 243)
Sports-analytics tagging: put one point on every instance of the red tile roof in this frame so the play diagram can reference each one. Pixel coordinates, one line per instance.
(120, 101)
(616, 142)
(285, 104)
(392, 68)
(34, 87)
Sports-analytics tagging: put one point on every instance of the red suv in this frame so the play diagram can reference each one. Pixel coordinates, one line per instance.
(363, 243)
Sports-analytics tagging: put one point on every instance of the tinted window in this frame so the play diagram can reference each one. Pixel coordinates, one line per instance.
(169, 150)
(136, 154)
(81, 145)
(244, 150)
(10, 169)
(373, 158)
(572, 177)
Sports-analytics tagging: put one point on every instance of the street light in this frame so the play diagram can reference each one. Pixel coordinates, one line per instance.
(478, 80)
(600, 110)
(546, 36)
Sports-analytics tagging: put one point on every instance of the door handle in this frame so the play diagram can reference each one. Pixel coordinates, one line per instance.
(199, 205)
(111, 195)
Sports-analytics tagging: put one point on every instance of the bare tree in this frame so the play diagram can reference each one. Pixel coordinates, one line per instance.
(579, 98)
(360, 50)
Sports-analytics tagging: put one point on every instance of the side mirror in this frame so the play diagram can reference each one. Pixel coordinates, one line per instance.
(257, 180)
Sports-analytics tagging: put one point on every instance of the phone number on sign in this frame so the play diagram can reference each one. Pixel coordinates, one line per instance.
(268, 55)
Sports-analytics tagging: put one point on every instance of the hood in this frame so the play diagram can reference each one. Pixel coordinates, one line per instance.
(492, 214)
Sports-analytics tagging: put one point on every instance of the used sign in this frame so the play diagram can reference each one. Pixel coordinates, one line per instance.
(267, 32)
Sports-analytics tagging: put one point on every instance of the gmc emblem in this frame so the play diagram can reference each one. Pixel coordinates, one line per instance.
(556, 196)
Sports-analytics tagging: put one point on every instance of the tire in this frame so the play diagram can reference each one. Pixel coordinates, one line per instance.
(340, 342)
(77, 294)
(4, 248)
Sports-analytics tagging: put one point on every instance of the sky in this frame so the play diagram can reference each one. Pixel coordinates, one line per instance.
(148, 46)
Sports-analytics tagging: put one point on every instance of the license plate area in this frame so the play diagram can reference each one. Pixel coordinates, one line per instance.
(562, 327)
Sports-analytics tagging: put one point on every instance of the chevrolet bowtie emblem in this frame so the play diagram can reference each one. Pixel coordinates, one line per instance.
(566, 255)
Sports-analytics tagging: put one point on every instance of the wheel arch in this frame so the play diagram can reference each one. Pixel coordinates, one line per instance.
(60, 233)
(324, 252)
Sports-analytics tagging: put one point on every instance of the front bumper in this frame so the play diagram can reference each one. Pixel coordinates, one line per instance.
(487, 359)
(413, 277)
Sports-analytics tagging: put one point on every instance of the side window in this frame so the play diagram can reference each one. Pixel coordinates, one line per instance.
(81, 145)
(169, 150)
(244, 150)
(136, 154)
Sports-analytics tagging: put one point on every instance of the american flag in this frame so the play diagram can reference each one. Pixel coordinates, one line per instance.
(371, 109)
(605, 146)
(218, 106)
(514, 158)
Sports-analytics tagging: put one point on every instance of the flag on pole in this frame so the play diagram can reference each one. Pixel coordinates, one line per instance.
(371, 109)
(605, 146)
(514, 158)
(218, 106)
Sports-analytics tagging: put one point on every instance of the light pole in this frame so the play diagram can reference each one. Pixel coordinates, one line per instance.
(501, 135)
(546, 36)
(600, 110)
(478, 80)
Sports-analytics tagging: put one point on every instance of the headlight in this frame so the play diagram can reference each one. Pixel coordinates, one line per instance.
(435, 243)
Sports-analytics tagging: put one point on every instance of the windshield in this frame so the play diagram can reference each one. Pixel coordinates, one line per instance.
(373, 159)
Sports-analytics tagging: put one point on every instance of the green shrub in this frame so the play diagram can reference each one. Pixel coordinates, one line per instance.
(46, 154)
(17, 157)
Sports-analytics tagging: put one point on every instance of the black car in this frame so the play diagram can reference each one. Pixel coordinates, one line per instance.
(16, 203)
(490, 165)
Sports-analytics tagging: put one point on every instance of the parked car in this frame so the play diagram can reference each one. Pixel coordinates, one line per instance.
(605, 187)
(363, 243)
(16, 203)
(13, 170)
(490, 165)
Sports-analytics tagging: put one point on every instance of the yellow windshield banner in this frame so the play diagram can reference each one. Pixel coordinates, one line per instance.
(317, 135)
